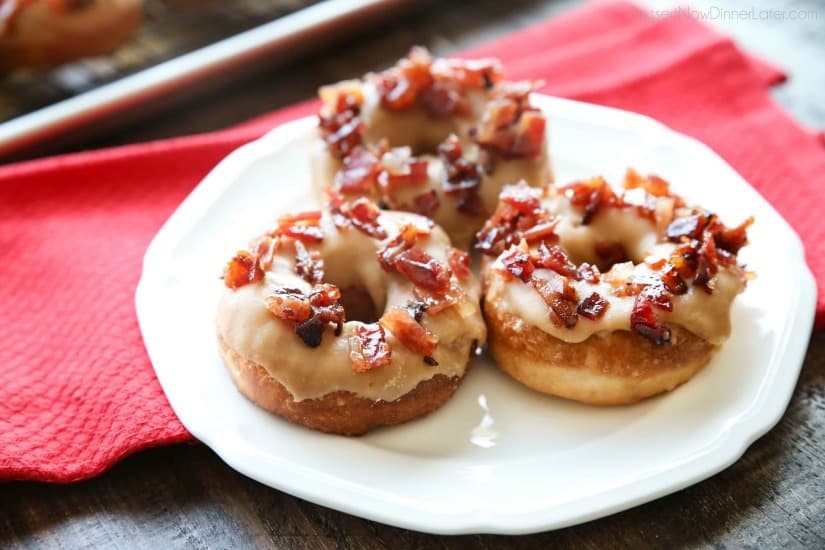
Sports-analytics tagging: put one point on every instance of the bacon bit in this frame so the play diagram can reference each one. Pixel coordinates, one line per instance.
(422, 270)
(434, 304)
(554, 258)
(340, 121)
(462, 177)
(673, 282)
(409, 332)
(304, 233)
(654, 185)
(518, 262)
(593, 307)
(643, 321)
(399, 168)
(560, 297)
(289, 304)
(364, 216)
(472, 73)
(359, 172)
(691, 227)
(592, 195)
(588, 273)
(610, 254)
(459, 263)
(264, 249)
(706, 266)
(369, 349)
(243, 269)
(309, 265)
(313, 217)
(510, 126)
(542, 232)
(426, 203)
(517, 217)
(443, 100)
(732, 240)
(401, 86)
(405, 239)
(310, 314)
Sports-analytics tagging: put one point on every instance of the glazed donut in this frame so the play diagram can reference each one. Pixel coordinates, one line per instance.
(435, 137)
(604, 297)
(350, 318)
(51, 32)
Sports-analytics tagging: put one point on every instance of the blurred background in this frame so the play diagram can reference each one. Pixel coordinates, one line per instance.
(313, 46)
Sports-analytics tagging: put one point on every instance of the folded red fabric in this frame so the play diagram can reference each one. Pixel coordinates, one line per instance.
(77, 392)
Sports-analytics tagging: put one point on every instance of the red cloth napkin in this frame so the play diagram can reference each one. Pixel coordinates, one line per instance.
(77, 392)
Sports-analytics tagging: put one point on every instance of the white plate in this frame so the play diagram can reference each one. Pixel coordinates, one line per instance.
(497, 458)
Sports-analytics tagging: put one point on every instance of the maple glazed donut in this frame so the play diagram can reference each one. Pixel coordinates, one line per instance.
(604, 297)
(50, 32)
(438, 137)
(350, 318)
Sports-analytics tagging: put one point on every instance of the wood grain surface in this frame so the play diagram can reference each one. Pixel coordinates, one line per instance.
(185, 497)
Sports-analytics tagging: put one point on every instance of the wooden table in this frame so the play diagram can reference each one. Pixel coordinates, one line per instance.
(185, 496)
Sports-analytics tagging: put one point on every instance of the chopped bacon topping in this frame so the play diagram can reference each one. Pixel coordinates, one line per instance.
(364, 216)
(459, 263)
(400, 168)
(518, 216)
(308, 264)
(409, 332)
(560, 296)
(556, 259)
(359, 172)
(405, 239)
(309, 314)
(644, 322)
(340, 120)
(241, 270)
(440, 86)
(369, 349)
(302, 227)
(593, 307)
(265, 248)
(510, 126)
(462, 177)
(422, 270)
(518, 262)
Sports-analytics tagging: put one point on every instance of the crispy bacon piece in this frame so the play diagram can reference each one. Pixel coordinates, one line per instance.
(643, 321)
(593, 307)
(732, 240)
(510, 126)
(364, 216)
(518, 216)
(308, 264)
(592, 195)
(560, 297)
(309, 314)
(472, 73)
(369, 349)
(462, 177)
(422, 270)
(358, 173)
(690, 227)
(289, 304)
(554, 258)
(673, 282)
(401, 86)
(340, 121)
(312, 217)
(518, 263)
(265, 248)
(589, 273)
(399, 168)
(405, 239)
(652, 184)
(409, 332)
(303, 226)
(243, 269)
(459, 263)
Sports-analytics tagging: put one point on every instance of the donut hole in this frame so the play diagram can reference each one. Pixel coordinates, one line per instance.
(359, 305)
(613, 238)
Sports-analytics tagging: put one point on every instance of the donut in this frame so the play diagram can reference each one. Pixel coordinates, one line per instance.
(349, 318)
(438, 137)
(607, 297)
(50, 32)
